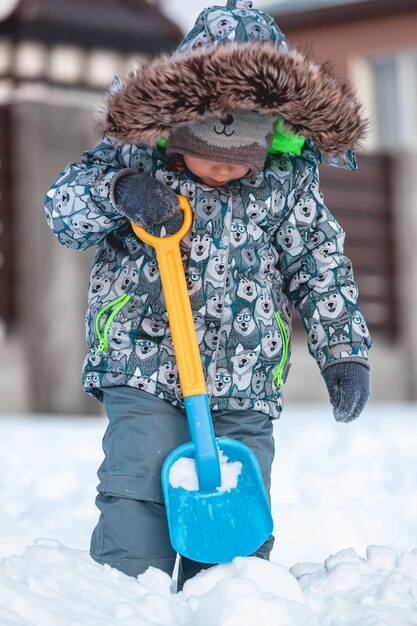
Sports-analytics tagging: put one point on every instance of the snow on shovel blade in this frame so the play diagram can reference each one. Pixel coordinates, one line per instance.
(216, 526)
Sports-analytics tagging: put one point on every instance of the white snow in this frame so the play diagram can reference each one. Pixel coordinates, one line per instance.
(183, 473)
(348, 491)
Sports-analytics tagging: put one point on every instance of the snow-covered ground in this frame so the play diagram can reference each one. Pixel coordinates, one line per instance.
(349, 491)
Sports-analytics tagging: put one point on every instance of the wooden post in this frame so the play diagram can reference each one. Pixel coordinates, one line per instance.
(7, 230)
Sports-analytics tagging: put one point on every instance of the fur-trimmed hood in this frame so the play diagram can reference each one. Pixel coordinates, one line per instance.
(171, 90)
(235, 57)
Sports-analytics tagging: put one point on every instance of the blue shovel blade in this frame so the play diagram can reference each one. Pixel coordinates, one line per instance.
(213, 526)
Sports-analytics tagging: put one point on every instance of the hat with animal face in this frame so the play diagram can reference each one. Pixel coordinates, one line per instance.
(240, 137)
(234, 61)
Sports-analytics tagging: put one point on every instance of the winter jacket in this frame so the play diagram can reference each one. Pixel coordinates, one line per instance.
(256, 247)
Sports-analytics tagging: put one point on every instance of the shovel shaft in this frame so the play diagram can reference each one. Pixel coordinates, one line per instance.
(202, 435)
(177, 301)
(181, 322)
(184, 339)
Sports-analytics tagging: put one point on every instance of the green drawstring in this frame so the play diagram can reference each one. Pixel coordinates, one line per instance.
(280, 369)
(118, 303)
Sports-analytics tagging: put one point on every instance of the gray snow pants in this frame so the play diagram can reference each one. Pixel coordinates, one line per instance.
(132, 531)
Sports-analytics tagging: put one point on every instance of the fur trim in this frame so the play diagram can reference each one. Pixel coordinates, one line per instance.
(186, 87)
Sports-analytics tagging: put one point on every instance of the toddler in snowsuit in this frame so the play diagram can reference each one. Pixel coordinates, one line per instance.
(237, 122)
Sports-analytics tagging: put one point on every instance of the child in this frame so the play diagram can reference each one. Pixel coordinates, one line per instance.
(246, 121)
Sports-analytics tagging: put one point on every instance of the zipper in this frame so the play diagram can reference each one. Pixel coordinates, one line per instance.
(103, 338)
(210, 383)
(277, 379)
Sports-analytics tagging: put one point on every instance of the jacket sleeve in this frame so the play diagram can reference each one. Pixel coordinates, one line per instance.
(79, 207)
(318, 277)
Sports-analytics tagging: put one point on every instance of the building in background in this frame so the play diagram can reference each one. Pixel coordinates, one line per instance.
(373, 42)
(56, 58)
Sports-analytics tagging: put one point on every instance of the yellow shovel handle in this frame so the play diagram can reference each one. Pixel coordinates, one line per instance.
(180, 316)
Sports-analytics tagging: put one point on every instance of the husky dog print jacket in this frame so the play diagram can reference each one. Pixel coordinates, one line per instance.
(257, 247)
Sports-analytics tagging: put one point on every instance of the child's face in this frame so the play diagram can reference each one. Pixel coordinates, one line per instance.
(212, 173)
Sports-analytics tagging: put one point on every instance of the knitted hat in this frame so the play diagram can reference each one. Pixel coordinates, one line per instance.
(240, 137)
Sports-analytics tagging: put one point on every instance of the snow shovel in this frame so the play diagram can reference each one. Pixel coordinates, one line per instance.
(209, 525)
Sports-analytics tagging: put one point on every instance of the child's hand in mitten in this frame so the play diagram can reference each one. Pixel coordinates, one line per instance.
(144, 200)
(348, 385)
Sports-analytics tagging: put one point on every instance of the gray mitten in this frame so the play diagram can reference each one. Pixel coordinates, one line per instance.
(349, 386)
(144, 200)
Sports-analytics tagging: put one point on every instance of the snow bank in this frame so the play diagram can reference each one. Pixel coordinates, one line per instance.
(48, 480)
(380, 589)
(51, 585)
(334, 486)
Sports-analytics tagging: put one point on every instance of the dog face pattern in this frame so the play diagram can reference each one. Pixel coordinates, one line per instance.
(240, 23)
(252, 251)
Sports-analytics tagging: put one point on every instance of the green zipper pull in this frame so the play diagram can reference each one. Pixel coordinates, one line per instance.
(278, 375)
(102, 347)
(277, 379)
(118, 303)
